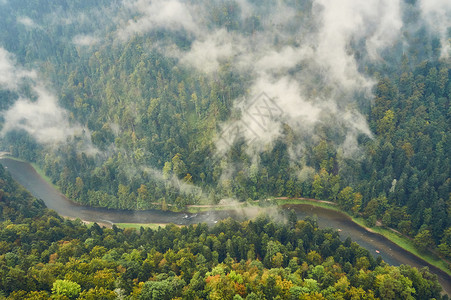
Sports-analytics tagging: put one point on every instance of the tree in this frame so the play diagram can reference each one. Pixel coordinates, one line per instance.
(22, 295)
(277, 260)
(123, 194)
(143, 196)
(445, 245)
(423, 240)
(325, 185)
(314, 257)
(163, 289)
(79, 187)
(167, 170)
(292, 218)
(178, 166)
(323, 155)
(97, 294)
(386, 125)
(66, 288)
(346, 198)
(391, 284)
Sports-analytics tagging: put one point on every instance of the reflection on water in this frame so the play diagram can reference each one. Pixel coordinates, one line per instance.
(373, 242)
(25, 174)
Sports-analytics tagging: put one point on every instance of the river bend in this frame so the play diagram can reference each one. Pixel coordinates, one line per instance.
(26, 175)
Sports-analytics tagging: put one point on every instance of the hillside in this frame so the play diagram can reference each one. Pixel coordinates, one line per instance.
(43, 256)
(157, 104)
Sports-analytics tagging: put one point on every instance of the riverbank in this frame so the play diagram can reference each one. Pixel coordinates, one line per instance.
(35, 167)
(329, 215)
(402, 241)
(137, 226)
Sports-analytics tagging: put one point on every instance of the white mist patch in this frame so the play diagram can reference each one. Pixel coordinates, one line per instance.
(10, 75)
(308, 67)
(356, 122)
(280, 61)
(437, 14)
(288, 93)
(27, 22)
(207, 53)
(343, 22)
(388, 25)
(311, 77)
(309, 63)
(262, 117)
(41, 117)
(115, 128)
(166, 14)
(183, 187)
(85, 40)
(252, 212)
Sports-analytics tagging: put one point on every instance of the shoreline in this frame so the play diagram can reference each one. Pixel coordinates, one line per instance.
(387, 233)
(401, 241)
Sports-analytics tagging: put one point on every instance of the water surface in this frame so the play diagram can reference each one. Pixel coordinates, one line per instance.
(26, 175)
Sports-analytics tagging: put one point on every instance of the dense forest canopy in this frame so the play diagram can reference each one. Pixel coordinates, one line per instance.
(141, 104)
(43, 256)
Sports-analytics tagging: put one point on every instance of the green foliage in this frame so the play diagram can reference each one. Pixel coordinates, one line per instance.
(164, 289)
(445, 245)
(257, 259)
(155, 121)
(97, 294)
(15, 202)
(66, 288)
(149, 115)
(423, 240)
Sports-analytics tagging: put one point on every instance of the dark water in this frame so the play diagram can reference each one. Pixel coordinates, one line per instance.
(25, 174)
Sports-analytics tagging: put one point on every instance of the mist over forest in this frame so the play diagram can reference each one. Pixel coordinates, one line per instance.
(139, 104)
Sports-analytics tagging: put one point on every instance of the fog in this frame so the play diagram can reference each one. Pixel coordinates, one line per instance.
(318, 57)
(166, 14)
(85, 40)
(437, 14)
(305, 63)
(36, 112)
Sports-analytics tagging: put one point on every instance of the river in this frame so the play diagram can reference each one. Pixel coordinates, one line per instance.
(26, 175)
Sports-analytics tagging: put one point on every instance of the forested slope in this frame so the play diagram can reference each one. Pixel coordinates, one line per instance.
(148, 124)
(43, 255)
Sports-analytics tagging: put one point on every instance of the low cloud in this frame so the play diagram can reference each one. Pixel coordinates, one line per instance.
(206, 54)
(181, 186)
(85, 40)
(308, 79)
(165, 14)
(10, 75)
(43, 119)
(376, 22)
(27, 22)
(308, 64)
(437, 14)
(40, 114)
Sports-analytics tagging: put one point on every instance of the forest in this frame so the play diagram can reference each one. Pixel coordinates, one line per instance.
(44, 256)
(139, 105)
